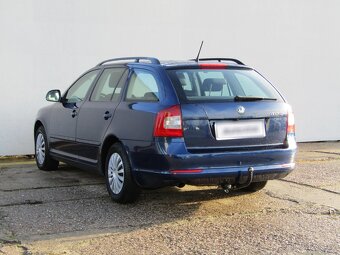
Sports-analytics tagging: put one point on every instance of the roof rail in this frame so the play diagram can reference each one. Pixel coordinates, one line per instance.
(221, 59)
(136, 59)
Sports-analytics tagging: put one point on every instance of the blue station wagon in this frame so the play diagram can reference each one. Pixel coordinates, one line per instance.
(143, 123)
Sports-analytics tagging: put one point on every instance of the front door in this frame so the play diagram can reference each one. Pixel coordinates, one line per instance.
(65, 115)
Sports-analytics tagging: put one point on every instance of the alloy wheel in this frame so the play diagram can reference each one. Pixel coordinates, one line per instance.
(40, 148)
(116, 173)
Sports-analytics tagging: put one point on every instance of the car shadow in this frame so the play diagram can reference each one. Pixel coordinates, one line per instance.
(175, 195)
(71, 202)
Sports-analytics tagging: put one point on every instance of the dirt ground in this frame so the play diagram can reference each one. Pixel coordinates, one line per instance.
(69, 212)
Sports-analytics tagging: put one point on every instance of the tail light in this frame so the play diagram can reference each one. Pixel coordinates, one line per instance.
(290, 122)
(169, 122)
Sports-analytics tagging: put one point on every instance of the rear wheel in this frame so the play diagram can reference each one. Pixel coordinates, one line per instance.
(119, 181)
(42, 156)
(255, 186)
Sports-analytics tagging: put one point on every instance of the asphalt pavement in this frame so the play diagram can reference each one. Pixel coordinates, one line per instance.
(68, 211)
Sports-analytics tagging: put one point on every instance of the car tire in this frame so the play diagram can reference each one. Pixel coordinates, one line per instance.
(42, 153)
(255, 186)
(119, 181)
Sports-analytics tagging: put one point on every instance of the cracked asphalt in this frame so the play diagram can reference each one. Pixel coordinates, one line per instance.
(69, 212)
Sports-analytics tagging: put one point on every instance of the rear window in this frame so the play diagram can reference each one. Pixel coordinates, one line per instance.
(225, 85)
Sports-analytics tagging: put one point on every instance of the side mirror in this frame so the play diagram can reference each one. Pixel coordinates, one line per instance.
(53, 95)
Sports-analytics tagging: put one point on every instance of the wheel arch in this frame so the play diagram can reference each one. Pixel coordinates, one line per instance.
(108, 142)
(37, 124)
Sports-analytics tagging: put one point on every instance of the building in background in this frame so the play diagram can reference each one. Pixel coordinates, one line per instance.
(47, 44)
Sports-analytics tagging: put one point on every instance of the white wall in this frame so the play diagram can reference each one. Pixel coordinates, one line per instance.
(47, 44)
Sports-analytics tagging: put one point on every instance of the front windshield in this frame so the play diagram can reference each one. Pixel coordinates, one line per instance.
(224, 84)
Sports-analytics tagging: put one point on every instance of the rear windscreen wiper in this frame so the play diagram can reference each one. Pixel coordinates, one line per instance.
(245, 98)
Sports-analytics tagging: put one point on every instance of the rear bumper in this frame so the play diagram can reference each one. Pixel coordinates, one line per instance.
(155, 164)
(212, 176)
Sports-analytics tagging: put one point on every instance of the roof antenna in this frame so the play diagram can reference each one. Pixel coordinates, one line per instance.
(198, 55)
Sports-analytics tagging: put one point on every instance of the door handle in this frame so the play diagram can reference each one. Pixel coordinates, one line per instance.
(74, 113)
(107, 115)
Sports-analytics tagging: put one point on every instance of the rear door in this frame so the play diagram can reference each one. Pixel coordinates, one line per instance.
(97, 113)
(229, 109)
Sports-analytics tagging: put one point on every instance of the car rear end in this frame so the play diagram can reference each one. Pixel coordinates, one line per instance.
(230, 127)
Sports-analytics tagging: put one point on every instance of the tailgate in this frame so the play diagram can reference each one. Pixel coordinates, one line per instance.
(219, 126)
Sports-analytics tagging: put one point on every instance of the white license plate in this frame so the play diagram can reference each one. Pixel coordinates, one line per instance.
(240, 129)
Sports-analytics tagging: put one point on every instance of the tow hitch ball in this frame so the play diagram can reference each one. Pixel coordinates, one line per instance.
(228, 187)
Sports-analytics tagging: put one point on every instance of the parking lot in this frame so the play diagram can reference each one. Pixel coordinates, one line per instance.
(69, 212)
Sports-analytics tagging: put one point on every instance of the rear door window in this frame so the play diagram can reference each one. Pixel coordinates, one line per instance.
(142, 87)
(118, 90)
(107, 84)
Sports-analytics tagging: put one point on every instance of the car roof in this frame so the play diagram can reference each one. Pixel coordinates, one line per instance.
(170, 64)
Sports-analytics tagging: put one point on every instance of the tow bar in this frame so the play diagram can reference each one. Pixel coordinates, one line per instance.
(228, 187)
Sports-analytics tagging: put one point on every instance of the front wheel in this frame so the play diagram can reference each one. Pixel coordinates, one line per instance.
(119, 181)
(42, 156)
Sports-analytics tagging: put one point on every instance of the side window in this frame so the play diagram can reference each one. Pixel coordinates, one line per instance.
(78, 91)
(249, 87)
(107, 84)
(119, 88)
(142, 87)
